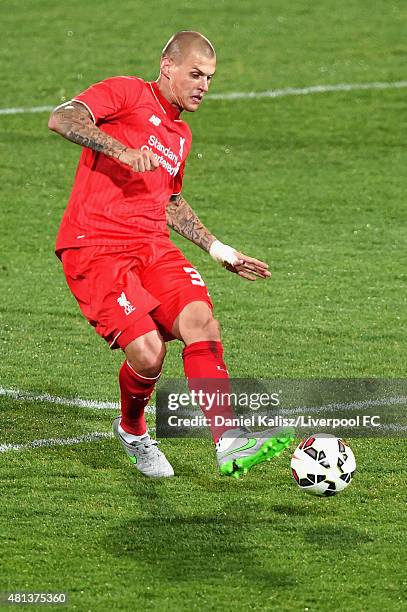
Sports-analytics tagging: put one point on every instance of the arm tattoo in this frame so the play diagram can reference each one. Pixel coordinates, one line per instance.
(182, 219)
(75, 124)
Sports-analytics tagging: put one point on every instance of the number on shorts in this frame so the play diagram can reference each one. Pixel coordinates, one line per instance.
(196, 278)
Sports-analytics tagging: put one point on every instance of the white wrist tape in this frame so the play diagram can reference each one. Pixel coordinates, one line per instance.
(223, 253)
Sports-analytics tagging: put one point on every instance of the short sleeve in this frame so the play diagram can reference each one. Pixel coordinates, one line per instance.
(178, 179)
(111, 96)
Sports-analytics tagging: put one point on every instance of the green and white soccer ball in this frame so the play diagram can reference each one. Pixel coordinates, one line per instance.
(323, 465)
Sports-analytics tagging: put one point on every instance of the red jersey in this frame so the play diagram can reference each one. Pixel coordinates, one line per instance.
(110, 203)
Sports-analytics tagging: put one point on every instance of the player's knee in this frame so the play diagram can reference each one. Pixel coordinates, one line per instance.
(146, 354)
(148, 362)
(196, 323)
(212, 328)
(203, 328)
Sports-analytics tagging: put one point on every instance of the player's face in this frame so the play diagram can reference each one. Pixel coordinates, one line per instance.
(190, 80)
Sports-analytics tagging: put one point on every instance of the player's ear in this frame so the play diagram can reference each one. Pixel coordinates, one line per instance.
(165, 66)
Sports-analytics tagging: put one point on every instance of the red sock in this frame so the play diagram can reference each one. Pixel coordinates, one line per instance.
(135, 391)
(203, 362)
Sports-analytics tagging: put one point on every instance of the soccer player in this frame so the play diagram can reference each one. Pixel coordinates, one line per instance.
(131, 282)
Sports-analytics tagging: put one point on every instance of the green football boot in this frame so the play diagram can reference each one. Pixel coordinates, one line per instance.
(248, 449)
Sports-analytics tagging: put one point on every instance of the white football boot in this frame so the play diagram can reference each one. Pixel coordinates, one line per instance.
(144, 454)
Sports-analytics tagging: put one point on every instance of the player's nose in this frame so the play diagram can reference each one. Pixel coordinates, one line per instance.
(204, 84)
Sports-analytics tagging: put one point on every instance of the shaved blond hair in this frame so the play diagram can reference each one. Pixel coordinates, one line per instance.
(182, 43)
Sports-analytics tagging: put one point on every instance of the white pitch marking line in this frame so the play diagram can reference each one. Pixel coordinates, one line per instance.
(95, 436)
(247, 95)
(305, 91)
(23, 110)
(90, 437)
(18, 394)
(386, 401)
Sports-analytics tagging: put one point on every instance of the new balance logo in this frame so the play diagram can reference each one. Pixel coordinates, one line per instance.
(155, 120)
(124, 303)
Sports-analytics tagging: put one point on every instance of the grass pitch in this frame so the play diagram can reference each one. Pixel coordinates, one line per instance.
(313, 184)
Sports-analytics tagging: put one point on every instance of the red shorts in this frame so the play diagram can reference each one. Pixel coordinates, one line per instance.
(125, 292)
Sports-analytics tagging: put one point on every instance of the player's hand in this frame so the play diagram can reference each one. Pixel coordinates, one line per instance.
(139, 160)
(248, 267)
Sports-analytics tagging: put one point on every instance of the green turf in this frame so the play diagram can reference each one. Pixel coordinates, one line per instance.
(313, 184)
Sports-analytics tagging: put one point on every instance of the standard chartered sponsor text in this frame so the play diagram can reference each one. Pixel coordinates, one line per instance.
(155, 145)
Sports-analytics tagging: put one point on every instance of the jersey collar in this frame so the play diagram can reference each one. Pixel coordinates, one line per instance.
(171, 111)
